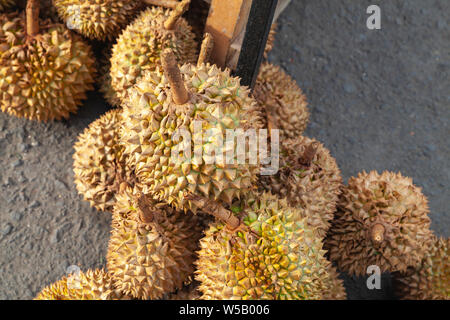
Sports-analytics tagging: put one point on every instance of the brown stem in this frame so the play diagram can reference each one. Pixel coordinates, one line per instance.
(308, 154)
(147, 212)
(172, 4)
(180, 9)
(172, 72)
(216, 210)
(32, 13)
(206, 49)
(377, 233)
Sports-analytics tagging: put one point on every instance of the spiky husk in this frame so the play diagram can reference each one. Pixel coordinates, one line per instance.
(104, 80)
(89, 285)
(139, 47)
(429, 281)
(149, 260)
(44, 78)
(275, 256)
(312, 184)
(372, 200)
(6, 4)
(281, 100)
(97, 19)
(99, 164)
(217, 102)
(336, 289)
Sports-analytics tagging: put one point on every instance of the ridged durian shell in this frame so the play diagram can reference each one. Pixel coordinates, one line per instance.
(336, 289)
(314, 187)
(429, 281)
(6, 4)
(390, 200)
(139, 47)
(99, 164)
(280, 98)
(149, 260)
(46, 78)
(89, 285)
(217, 102)
(97, 19)
(277, 257)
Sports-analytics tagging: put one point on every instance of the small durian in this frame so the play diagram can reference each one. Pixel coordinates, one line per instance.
(273, 254)
(6, 4)
(202, 99)
(139, 46)
(89, 285)
(309, 178)
(97, 19)
(99, 164)
(282, 101)
(152, 247)
(335, 286)
(382, 220)
(45, 69)
(431, 279)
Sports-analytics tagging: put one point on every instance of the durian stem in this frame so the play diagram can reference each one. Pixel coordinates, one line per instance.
(377, 233)
(32, 13)
(206, 49)
(172, 4)
(147, 214)
(173, 74)
(216, 210)
(180, 9)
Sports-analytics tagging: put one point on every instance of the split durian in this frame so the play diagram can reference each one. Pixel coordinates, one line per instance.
(309, 178)
(282, 101)
(89, 285)
(431, 279)
(99, 164)
(97, 19)
(274, 254)
(6, 4)
(139, 47)
(335, 286)
(45, 69)
(214, 101)
(382, 220)
(152, 247)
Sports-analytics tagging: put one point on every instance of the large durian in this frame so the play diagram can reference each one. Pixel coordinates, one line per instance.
(282, 101)
(309, 178)
(99, 164)
(89, 285)
(204, 100)
(274, 254)
(431, 279)
(6, 4)
(139, 47)
(45, 69)
(382, 220)
(152, 247)
(97, 19)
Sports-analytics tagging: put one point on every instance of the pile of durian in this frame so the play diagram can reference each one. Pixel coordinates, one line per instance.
(193, 229)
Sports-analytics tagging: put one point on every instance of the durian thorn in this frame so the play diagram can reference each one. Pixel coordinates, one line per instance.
(216, 210)
(147, 213)
(180, 9)
(309, 153)
(206, 49)
(32, 14)
(172, 4)
(377, 233)
(173, 74)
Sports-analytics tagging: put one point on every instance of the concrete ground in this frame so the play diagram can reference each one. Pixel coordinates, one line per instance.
(379, 100)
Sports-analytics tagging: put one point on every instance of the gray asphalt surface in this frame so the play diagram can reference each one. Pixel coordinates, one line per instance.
(379, 100)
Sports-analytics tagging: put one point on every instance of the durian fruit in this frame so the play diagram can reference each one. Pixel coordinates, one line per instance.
(139, 46)
(335, 286)
(152, 247)
(6, 4)
(282, 101)
(309, 178)
(382, 220)
(431, 279)
(45, 69)
(99, 163)
(104, 81)
(203, 99)
(274, 254)
(89, 285)
(97, 19)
